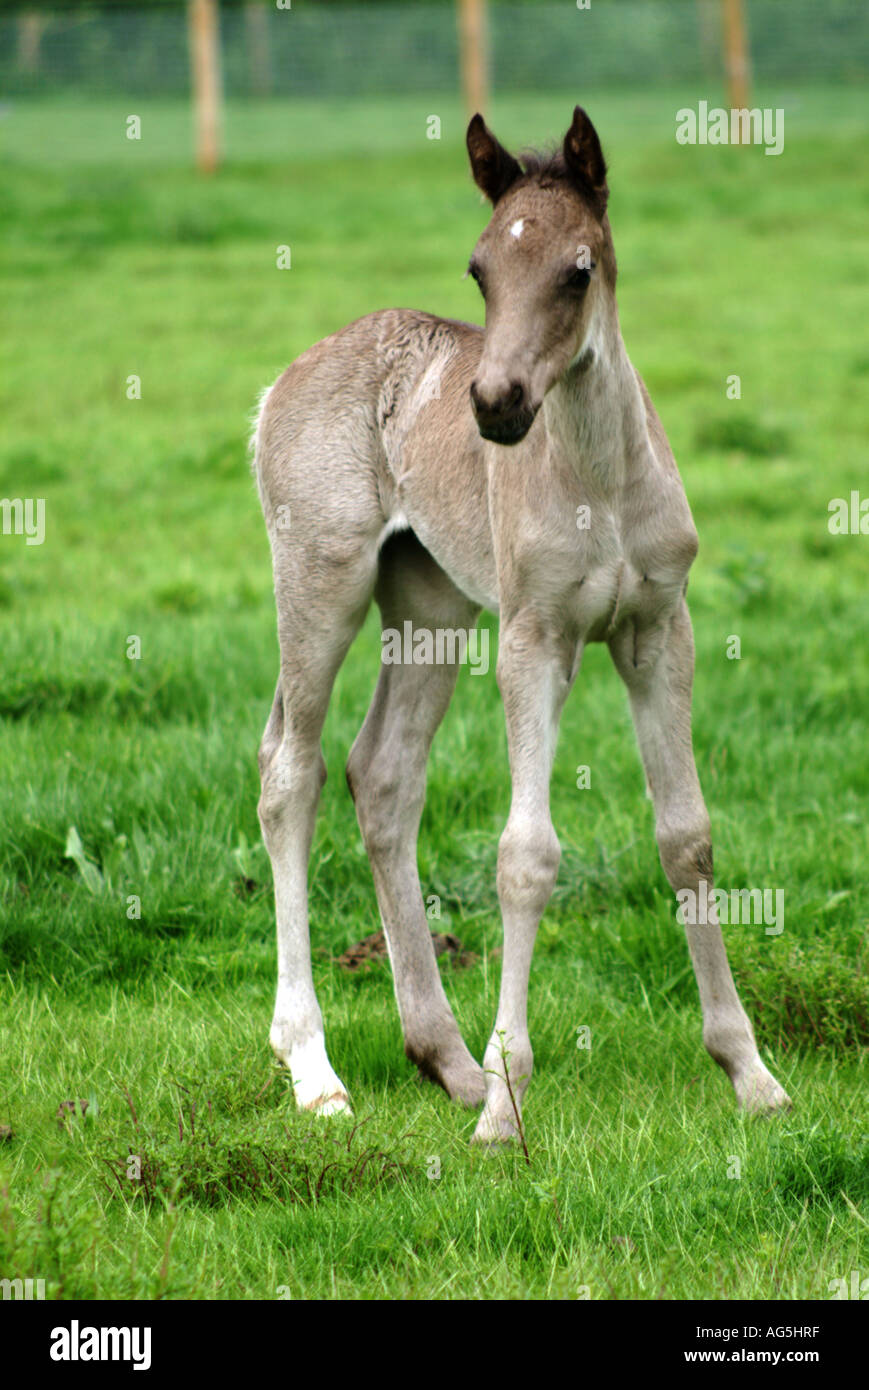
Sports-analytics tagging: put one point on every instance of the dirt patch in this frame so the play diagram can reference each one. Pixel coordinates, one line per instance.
(360, 956)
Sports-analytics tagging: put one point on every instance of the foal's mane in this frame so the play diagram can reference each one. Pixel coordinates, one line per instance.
(546, 165)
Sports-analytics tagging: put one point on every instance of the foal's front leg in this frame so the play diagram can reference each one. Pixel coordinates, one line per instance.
(657, 667)
(535, 670)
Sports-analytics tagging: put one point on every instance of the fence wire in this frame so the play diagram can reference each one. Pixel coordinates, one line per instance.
(376, 49)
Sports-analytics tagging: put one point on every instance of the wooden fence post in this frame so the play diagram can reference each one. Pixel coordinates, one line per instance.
(205, 71)
(30, 26)
(473, 56)
(736, 54)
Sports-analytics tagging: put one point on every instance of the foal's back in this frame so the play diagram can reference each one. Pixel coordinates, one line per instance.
(369, 431)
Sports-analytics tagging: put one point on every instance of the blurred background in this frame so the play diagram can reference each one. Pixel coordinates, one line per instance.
(249, 59)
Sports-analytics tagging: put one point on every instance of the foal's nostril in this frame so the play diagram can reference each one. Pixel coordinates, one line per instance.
(484, 405)
(499, 405)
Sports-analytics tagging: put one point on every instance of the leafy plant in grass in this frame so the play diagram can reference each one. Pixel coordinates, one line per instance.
(52, 1237)
(106, 878)
(812, 997)
(203, 1166)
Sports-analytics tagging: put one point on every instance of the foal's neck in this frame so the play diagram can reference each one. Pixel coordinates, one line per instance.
(595, 416)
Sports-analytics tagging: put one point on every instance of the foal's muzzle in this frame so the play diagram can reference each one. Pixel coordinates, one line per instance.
(504, 419)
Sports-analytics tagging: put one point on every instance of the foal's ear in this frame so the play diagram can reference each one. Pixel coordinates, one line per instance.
(584, 159)
(493, 168)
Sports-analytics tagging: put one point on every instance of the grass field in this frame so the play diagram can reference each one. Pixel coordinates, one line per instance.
(643, 1180)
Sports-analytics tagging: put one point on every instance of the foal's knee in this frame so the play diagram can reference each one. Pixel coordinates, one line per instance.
(686, 854)
(289, 778)
(528, 859)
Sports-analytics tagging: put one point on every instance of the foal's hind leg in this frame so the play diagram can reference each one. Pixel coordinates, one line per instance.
(658, 678)
(314, 640)
(386, 774)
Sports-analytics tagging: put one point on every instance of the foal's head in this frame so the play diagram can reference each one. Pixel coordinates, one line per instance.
(542, 264)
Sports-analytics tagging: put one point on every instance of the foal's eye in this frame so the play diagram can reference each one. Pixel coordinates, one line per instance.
(474, 272)
(578, 279)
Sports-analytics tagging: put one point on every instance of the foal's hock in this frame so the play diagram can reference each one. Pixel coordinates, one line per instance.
(441, 468)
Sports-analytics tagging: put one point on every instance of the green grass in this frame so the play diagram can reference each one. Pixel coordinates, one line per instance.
(116, 261)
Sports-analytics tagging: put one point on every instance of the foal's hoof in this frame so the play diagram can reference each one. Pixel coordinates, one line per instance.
(336, 1104)
(461, 1077)
(759, 1093)
(493, 1131)
(469, 1091)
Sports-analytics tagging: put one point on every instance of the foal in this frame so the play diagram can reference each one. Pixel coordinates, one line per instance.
(442, 468)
